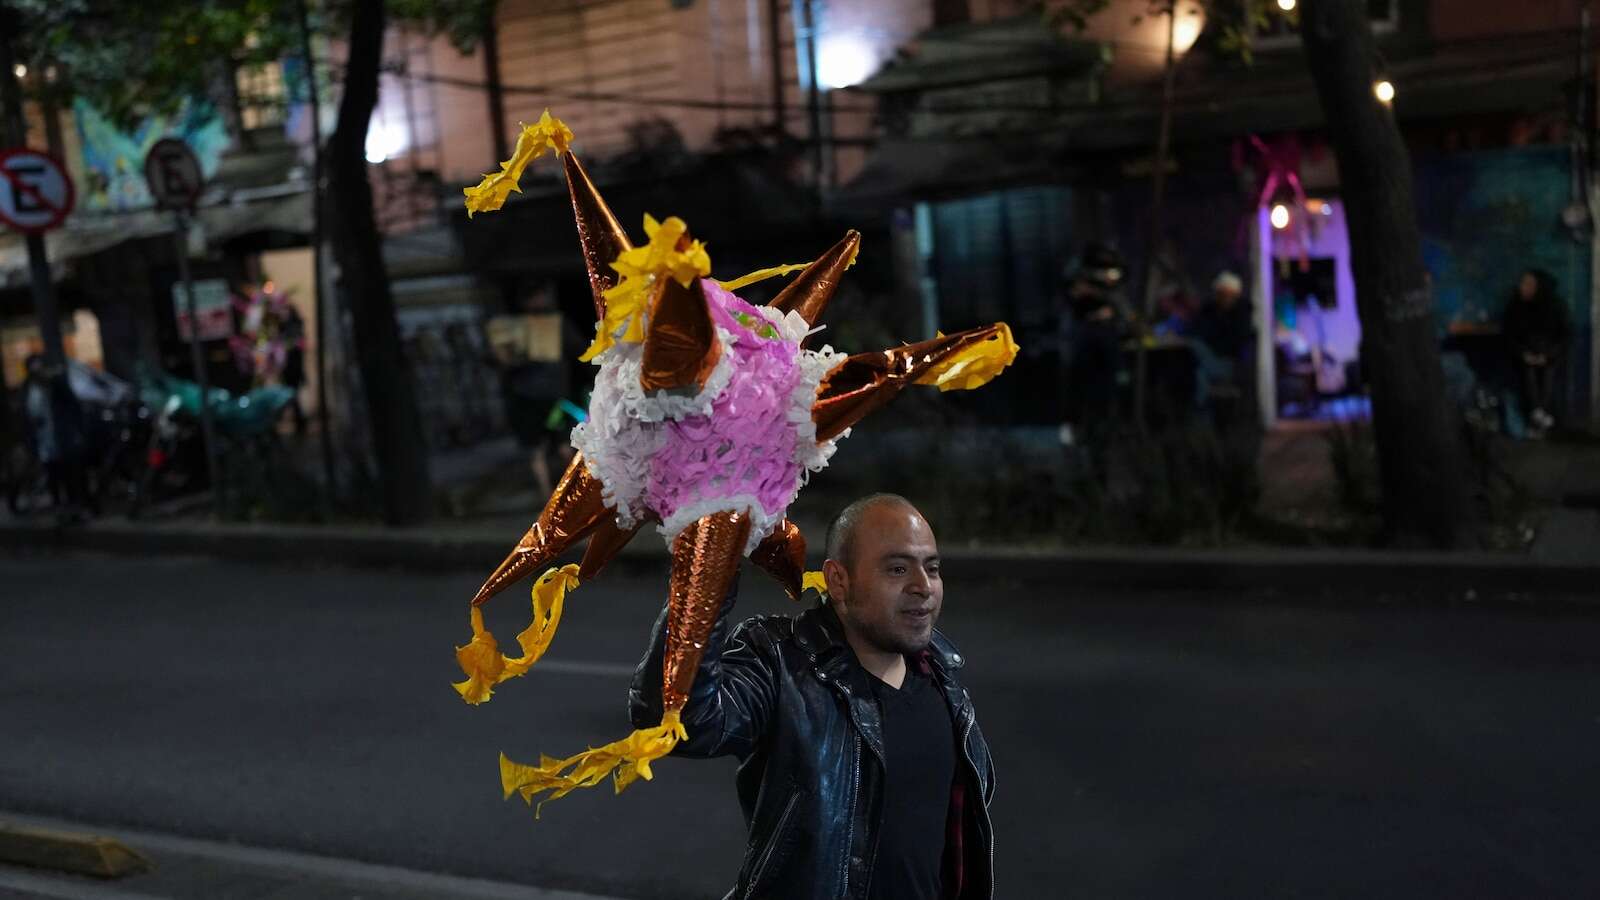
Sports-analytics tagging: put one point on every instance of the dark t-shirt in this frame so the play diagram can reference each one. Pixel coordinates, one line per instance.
(919, 741)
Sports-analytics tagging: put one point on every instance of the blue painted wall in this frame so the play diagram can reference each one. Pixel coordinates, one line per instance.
(1488, 215)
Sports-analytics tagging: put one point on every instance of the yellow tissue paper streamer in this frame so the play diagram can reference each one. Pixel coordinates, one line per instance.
(481, 658)
(975, 366)
(491, 193)
(761, 275)
(640, 268)
(626, 761)
(774, 271)
(814, 581)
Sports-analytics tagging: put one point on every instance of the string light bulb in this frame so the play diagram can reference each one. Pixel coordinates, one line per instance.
(1384, 89)
(1286, 5)
(1280, 216)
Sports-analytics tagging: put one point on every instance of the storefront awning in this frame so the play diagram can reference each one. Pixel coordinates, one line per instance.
(286, 212)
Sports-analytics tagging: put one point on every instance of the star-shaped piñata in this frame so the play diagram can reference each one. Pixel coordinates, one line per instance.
(707, 417)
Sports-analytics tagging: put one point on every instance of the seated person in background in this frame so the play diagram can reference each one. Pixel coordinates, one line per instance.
(1225, 324)
(1225, 327)
(1535, 329)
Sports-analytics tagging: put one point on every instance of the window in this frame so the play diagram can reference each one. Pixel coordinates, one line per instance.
(261, 94)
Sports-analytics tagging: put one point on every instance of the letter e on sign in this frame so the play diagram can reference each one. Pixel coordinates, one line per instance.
(35, 192)
(173, 173)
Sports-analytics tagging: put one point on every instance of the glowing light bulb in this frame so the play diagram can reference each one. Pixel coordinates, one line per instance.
(1280, 216)
(384, 142)
(1286, 5)
(1186, 30)
(21, 70)
(1384, 89)
(844, 59)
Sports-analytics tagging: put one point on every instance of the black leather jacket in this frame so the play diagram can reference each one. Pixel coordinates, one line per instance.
(787, 697)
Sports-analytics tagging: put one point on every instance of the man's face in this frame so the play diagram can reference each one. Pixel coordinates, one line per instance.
(891, 594)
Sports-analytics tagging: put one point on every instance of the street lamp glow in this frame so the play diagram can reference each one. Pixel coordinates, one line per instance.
(1186, 30)
(1286, 5)
(384, 142)
(1384, 89)
(844, 59)
(1280, 216)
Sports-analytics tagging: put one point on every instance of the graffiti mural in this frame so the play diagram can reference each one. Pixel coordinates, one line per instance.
(113, 159)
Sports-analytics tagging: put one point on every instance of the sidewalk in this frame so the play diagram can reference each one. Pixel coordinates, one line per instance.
(193, 869)
(479, 545)
(491, 481)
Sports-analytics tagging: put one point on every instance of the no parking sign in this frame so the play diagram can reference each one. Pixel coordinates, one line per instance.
(35, 192)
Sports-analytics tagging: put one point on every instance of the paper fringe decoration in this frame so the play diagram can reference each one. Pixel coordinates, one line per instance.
(974, 366)
(491, 193)
(481, 659)
(626, 761)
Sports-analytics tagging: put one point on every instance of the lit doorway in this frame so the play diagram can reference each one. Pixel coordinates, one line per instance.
(1308, 332)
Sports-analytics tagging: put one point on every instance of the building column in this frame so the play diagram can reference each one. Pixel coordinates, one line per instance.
(1261, 291)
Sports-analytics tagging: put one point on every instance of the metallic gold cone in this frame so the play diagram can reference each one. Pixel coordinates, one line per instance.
(606, 542)
(865, 382)
(575, 508)
(782, 554)
(705, 558)
(681, 347)
(599, 232)
(811, 290)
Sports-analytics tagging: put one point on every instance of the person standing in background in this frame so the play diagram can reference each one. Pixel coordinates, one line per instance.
(1535, 329)
(527, 346)
(55, 423)
(293, 375)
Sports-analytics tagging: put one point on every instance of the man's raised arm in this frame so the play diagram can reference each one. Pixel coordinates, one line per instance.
(733, 690)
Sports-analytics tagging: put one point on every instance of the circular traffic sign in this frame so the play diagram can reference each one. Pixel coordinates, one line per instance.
(173, 173)
(36, 193)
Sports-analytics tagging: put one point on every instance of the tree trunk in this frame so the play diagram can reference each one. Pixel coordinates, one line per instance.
(386, 376)
(1421, 456)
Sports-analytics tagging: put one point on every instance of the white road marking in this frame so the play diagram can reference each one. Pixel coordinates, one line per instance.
(578, 667)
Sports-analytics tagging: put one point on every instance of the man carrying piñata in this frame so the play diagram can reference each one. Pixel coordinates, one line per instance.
(707, 417)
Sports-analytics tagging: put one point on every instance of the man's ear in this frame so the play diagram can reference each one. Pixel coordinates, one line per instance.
(833, 572)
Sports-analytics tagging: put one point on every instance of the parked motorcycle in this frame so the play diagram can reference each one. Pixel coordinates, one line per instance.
(174, 461)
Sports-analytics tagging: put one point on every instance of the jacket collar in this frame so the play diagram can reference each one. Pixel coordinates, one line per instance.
(819, 632)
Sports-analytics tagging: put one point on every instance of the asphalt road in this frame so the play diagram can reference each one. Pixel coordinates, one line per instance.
(1148, 745)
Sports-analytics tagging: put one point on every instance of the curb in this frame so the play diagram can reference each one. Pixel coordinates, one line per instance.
(69, 851)
(1431, 576)
(212, 868)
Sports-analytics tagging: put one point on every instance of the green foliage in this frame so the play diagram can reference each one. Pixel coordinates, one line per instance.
(1353, 452)
(134, 59)
(1189, 483)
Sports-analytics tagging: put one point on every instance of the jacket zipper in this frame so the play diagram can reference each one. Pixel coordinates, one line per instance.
(855, 788)
(989, 823)
(772, 845)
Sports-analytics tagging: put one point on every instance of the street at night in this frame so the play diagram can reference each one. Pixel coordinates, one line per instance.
(392, 395)
(1168, 744)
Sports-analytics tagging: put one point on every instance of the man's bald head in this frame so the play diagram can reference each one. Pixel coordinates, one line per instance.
(840, 543)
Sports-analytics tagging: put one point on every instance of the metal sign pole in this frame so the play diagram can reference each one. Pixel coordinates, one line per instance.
(198, 359)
